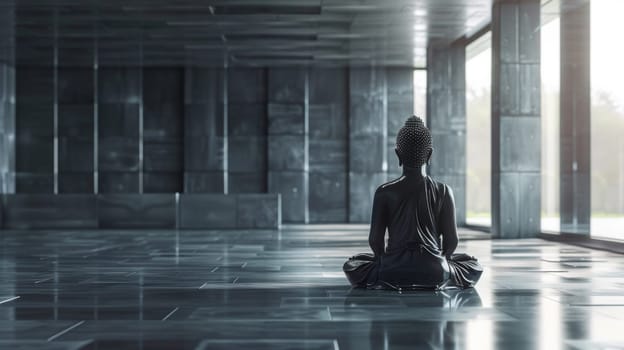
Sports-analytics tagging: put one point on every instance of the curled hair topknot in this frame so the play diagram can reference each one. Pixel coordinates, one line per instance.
(414, 142)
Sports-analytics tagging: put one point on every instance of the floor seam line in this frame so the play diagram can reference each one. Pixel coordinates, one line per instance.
(10, 299)
(169, 314)
(66, 330)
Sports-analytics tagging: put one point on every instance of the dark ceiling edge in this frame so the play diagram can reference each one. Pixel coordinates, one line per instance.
(230, 66)
(468, 40)
(465, 40)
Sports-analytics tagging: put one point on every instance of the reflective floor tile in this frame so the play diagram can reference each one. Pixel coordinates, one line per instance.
(284, 289)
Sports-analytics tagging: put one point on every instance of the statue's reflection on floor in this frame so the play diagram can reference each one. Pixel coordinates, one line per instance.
(436, 329)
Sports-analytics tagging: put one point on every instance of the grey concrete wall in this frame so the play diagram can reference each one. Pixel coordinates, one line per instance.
(120, 107)
(46, 211)
(516, 119)
(400, 105)
(446, 118)
(247, 130)
(204, 131)
(163, 130)
(133, 210)
(75, 110)
(323, 138)
(288, 140)
(380, 100)
(7, 32)
(7, 99)
(127, 210)
(7, 128)
(34, 130)
(575, 122)
(329, 117)
(34, 118)
(261, 211)
(367, 139)
(111, 138)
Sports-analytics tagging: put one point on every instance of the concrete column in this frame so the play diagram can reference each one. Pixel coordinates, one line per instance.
(118, 126)
(516, 146)
(446, 118)
(575, 125)
(381, 99)
(75, 103)
(247, 130)
(368, 159)
(400, 96)
(204, 131)
(7, 128)
(329, 145)
(7, 100)
(34, 129)
(163, 126)
(288, 140)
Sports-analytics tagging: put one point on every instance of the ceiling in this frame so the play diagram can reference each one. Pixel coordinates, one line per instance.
(238, 32)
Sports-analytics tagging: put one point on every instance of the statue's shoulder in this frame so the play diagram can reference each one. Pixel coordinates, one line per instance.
(390, 184)
(441, 188)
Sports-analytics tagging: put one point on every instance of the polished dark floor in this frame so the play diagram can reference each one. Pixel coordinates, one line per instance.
(285, 290)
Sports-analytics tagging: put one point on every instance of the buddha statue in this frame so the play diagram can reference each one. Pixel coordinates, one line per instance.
(418, 214)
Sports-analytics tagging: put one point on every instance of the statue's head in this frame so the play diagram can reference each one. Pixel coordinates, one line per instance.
(413, 144)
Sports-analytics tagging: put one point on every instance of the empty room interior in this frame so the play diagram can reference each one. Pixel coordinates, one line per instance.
(206, 174)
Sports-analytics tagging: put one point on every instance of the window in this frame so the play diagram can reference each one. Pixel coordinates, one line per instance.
(478, 130)
(420, 93)
(607, 120)
(550, 67)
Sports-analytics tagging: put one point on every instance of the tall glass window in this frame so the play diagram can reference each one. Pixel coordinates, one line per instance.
(478, 130)
(550, 67)
(607, 120)
(420, 93)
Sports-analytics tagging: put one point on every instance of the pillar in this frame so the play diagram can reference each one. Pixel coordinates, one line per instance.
(205, 140)
(516, 147)
(368, 159)
(400, 105)
(247, 130)
(7, 101)
(446, 118)
(575, 125)
(288, 140)
(328, 145)
(163, 125)
(119, 106)
(75, 107)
